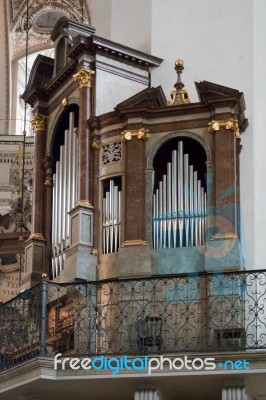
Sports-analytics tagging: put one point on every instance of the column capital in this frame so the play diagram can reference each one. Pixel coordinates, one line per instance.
(84, 77)
(142, 134)
(38, 122)
(229, 124)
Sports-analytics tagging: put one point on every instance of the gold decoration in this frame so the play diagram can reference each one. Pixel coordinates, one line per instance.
(179, 62)
(48, 181)
(142, 134)
(227, 235)
(134, 243)
(86, 203)
(95, 252)
(179, 95)
(64, 102)
(38, 122)
(84, 77)
(36, 235)
(230, 124)
(96, 144)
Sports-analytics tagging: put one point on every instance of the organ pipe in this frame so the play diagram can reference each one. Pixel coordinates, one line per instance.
(111, 206)
(179, 205)
(64, 196)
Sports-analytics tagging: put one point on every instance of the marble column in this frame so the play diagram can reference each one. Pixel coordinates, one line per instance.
(226, 179)
(223, 246)
(79, 258)
(38, 124)
(35, 246)
(48, 189)
(84, 80)
(134, 254)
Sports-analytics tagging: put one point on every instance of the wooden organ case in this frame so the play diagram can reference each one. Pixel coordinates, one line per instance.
(126, 183)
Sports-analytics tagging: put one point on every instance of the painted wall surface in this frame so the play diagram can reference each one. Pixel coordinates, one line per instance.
(215, 39)
(258, 130)
(4, 68)
(220, 42)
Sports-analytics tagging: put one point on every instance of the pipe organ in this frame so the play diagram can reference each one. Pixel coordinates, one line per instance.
(111, 217)
(179, 205)
(64, 196)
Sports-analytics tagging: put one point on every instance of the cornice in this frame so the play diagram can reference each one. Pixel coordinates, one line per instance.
(32, 94)
(97, 45)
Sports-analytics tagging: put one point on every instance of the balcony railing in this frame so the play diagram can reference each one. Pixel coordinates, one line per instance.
(165, 314)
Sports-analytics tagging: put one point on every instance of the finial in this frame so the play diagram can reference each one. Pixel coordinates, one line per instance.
(179, 95)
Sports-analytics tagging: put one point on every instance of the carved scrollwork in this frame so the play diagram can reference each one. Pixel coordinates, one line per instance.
(142, 134)
(230, 124)
(111, 153)
(84, 77)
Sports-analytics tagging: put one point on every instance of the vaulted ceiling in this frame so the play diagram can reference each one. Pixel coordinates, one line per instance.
(42, 16)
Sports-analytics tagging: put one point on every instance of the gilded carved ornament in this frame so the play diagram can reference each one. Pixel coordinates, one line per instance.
(64, 102)
(38, 122)
(179, 95)
(142, 134)
(96, 144)
(136, 242)
(48, 181)
(222, 236)
(36, 235)
(230, 124)
(84, 77)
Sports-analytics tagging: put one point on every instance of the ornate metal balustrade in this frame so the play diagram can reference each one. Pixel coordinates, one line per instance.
(166, 314)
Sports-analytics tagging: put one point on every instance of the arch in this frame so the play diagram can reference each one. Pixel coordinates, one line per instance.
(174, 135)
(184, 235)
(58, 128)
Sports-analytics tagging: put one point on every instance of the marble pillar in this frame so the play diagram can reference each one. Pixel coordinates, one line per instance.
(80, 257)
(223, 249)
(134, 255)
(35, 246)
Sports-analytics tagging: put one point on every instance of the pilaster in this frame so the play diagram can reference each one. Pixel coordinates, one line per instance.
(134, 247)
(223, 246)
(80, 262)
(35, 246)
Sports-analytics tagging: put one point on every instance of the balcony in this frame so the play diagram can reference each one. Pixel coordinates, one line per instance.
(177, 314)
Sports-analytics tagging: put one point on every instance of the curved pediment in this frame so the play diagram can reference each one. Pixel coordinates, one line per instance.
(40, 77)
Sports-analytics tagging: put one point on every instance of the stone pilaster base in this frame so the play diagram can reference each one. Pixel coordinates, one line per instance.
(223, 253)
(134, 259)
(80, 263)
(81, 222)
(35, 253)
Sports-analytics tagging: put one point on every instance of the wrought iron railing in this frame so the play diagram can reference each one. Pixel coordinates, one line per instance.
(164, 314)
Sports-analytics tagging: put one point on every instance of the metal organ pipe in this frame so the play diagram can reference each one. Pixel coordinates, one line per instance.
(111, 218)
(179, 205)
(64, 196)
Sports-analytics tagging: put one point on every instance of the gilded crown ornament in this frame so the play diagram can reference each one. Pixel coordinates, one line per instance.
(84, 77)
(142, 134)
(38, 122)
(229, 124)
(179, 95)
